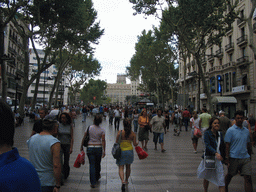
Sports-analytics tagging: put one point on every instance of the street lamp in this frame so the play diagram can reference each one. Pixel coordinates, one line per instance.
(16, 88)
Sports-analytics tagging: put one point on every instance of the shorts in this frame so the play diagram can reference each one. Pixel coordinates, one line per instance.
(242, 165)
(194, 138)
(158, 135)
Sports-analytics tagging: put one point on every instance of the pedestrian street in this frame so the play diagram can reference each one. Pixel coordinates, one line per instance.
(173, 171)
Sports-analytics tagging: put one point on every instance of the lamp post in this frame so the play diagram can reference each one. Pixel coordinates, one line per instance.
(16, 89)
(44, 89)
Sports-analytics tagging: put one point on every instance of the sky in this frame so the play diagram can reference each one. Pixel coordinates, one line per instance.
(117, 46)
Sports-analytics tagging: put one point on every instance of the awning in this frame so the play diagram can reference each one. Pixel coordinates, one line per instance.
(223, 99)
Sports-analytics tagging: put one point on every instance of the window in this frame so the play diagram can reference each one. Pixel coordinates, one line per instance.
(243, 52)
(242, 31)
(244, 79)
(230, 39)
(231, 57)
(234, 79)
(212, 85)
(220, 61)
(219, 78)
(227, 82)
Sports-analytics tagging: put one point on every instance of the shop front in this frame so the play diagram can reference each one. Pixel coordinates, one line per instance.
(225, 103)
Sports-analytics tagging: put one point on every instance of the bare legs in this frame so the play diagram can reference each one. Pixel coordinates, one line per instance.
(144, 144)
(127, 174)
(206, 185)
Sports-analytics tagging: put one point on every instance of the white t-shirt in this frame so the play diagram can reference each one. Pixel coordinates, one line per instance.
(195, 123)
(117, 113)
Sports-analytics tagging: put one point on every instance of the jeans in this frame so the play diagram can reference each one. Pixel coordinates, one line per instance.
(135, 124)
(94, 155)
(110, 121)
(186, 120)
(158, 135)
(117, 120)
(84, 117)
(65, 164)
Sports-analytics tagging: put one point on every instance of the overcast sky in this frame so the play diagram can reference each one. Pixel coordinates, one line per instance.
(122, 29)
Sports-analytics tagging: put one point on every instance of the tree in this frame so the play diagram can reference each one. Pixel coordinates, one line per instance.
(197, 24)
(154, 62)
(81, 68)
(8, 9)
(58, 25)
(93, 91)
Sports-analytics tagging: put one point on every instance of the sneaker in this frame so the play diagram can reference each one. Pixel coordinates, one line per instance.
(195, 152)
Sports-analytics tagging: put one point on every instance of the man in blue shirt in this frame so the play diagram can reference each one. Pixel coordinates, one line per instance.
(237, 140)
(16, 173)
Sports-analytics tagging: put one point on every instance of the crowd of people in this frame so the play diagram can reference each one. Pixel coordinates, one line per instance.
(51, 142)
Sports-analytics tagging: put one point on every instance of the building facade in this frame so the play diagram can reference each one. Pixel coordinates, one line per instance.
(14, 50)
(229, 70)
(118, 91)
(46, 81)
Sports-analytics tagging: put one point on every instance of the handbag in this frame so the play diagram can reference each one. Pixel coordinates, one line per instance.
(87, 138)
(147, 127)
(210, 161)
(141, 153)
(116, 149)
(197, 133)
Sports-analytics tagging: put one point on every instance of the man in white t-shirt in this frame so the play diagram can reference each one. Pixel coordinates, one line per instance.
(117, 115)
(159, 128)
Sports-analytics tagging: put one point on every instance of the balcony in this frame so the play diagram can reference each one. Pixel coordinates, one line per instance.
(10, 74)
(229, 47)
(242, 62)
(229, 65)
(214, 69)
(240, 22)
(229, 30)
(10, 49)
(241, 89)
(210, 57)
(19, 72)
(219, 52)
(242, 40)
(204, 61)
(254, 27)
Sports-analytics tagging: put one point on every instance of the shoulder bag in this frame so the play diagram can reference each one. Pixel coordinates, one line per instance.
(116, 149)
(87, 138)
(147, 127)
(210, 161)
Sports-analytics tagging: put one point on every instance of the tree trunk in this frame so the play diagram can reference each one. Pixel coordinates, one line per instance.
(2, 62)
(205, 87)
(33, 102)
(25, 80)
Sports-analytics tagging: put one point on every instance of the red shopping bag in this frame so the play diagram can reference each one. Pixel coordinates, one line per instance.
(141, 153)
(82, 157)
(77, 163)
(197, 132)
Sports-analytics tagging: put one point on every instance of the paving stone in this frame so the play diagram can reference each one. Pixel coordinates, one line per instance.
(173, 171)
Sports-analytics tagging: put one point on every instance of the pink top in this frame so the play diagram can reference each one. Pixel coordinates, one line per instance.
(95, 134)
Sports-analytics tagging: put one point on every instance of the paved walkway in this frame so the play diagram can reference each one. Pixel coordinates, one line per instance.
(173, 171)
